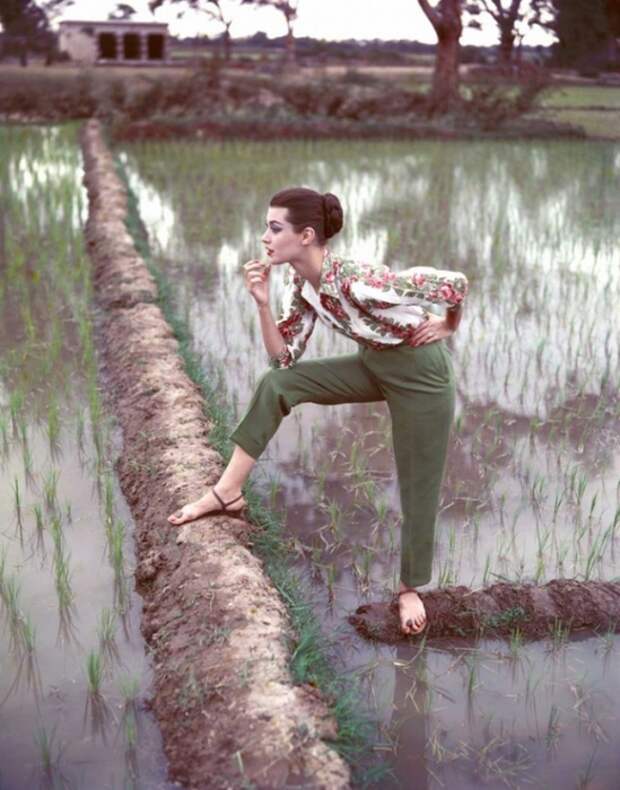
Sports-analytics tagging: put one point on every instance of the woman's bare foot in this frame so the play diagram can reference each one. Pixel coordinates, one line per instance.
(205, 505)
(412, 612)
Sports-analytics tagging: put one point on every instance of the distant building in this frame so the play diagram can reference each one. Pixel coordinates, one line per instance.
(114, 41)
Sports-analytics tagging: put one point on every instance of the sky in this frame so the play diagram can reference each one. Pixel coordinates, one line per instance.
(326, 19)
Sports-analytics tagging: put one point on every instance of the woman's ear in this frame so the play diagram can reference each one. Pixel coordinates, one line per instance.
(308, 235)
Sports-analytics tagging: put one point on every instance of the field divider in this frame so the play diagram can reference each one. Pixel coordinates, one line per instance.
(221, 637)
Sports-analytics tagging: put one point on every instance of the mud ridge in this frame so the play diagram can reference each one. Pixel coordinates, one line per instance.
(552, 611)
(220, 636)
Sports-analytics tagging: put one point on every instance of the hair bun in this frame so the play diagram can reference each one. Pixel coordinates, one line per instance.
(333, 214)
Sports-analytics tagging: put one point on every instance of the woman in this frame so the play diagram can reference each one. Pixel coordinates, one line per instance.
(401, 359)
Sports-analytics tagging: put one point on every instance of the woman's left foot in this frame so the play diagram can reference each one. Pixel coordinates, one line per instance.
(411, 610)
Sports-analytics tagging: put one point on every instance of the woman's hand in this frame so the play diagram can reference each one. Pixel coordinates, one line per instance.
(434, 328)
(256, 276)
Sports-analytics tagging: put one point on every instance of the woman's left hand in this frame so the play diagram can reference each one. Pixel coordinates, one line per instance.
(434, 328)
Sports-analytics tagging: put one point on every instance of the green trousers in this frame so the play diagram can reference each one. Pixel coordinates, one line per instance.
(418, 385)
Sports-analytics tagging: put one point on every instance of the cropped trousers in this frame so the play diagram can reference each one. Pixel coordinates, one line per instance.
(417, 382)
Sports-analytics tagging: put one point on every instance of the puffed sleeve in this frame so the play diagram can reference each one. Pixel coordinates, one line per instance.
(378, 285)
(295, 324)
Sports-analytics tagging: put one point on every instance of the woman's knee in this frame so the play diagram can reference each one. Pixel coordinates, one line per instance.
(275, 383)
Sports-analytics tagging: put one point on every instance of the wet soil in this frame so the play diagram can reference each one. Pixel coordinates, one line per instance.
(218, 631)
(559, 607)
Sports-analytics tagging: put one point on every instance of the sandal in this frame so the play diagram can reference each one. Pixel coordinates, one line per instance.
(241, 512)
(238, 511)
(409, 621)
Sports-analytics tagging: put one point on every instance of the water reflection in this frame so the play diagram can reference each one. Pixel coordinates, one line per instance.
(59, 504)
(531, 490)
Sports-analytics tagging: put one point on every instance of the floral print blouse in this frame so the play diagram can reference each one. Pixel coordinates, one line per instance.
(369, 303)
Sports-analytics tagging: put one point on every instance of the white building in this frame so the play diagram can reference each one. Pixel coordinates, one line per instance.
(114, 41)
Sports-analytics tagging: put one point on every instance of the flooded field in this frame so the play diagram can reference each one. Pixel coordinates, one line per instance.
(532, 489)
(73, 670)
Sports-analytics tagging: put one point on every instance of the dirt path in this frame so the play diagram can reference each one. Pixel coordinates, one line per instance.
(229, 712)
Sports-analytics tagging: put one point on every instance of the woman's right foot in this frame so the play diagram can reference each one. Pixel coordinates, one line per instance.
(205, 505)
(411, 610)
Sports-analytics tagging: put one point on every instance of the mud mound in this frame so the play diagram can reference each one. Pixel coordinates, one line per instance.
(561, 606)
(220, 637)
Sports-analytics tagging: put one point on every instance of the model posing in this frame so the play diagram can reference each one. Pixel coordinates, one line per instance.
(401, 359)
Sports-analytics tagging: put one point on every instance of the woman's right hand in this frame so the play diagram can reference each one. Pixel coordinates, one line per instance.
(256, 275)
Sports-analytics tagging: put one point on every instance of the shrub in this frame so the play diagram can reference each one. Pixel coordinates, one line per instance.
(489, 105)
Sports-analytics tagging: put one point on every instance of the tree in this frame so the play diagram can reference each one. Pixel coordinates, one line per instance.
(586, 32)
(446, 19)
(288, 8)
(122, 11)
(26, 26)
(507, 14)
(214, 9)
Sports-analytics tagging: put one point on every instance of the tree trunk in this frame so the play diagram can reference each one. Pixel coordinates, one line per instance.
(506, 44)
(445, 89)
(560, 606)
(227, 43)
(290, 43)
(446, 19)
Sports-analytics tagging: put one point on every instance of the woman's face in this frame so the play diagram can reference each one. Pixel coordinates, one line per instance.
(281, 242)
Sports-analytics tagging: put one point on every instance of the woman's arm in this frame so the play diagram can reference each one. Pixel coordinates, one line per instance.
(273, 340)
(285, 340)
(438, 286)
(453, 317)
(417, 285)
(293, 328)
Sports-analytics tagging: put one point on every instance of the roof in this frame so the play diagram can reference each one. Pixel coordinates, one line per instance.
(113, 22)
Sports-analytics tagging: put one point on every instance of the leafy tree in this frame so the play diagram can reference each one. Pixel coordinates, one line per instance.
(510, 16)
(122, 11)
(217, 10)
(288, 8)
(586, 32)
(26, 26)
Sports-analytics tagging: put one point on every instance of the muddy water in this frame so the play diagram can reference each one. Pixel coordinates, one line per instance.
(532, 482)
(62, 515)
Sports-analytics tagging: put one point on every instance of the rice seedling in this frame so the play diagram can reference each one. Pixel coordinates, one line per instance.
(130, 729)
(49, 752)
(79, 428)
(28, 634)
(106, 633)
(4, 431)
(38, 517)
(3, 553)
(515, 643)
(50, 488)
(116, 546)
(335, 513)
(94, 672)
(53, 424)
(108, 495)
(16, 404)
(559, 634)
(17, 505)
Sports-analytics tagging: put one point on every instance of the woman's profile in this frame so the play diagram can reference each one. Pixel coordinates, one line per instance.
(401, 359)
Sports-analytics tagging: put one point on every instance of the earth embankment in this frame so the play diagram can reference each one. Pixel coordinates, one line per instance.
(219, 633)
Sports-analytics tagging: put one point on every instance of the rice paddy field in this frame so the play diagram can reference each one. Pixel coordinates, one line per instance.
(532, 487)
(74, 673)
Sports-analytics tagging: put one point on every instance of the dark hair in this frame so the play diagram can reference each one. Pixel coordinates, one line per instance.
(310, 209)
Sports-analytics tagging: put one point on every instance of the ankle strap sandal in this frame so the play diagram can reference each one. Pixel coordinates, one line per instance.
(226, 504)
